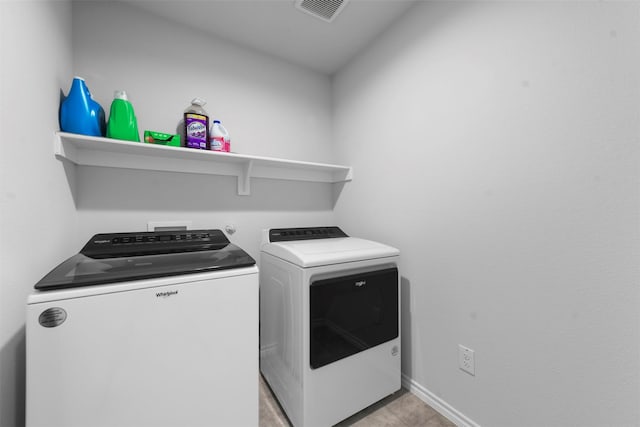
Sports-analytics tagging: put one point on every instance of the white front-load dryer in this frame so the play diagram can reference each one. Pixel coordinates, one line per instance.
(329, 322)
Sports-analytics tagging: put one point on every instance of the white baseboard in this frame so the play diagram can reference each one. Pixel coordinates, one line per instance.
(451, 413)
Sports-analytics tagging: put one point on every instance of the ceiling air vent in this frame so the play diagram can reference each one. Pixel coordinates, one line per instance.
(326, 10)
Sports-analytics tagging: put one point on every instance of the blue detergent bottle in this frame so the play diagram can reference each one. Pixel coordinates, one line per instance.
(79, 113)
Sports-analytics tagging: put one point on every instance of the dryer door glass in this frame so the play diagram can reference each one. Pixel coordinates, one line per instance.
(350, 314)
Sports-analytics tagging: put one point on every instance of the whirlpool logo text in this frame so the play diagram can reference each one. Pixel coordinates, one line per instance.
(166, 294)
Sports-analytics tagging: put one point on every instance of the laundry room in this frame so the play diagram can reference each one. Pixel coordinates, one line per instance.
(486, 153)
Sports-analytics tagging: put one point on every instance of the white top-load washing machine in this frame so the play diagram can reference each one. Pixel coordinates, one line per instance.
(145, 329)
(329, 322)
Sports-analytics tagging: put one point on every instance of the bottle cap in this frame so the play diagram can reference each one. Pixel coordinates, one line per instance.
(199, 101)
(216, 121)
(120, 94)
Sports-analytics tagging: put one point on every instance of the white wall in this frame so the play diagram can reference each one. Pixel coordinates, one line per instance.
(270, 107)
(496, 144)
(36, 208)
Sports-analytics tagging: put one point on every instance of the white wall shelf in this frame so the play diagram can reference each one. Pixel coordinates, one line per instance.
(95, 151)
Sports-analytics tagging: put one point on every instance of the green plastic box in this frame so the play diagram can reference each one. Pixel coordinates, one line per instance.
(160, 138)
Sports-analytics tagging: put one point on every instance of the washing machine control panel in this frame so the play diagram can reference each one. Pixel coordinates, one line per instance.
(304, 233)
(156, 242)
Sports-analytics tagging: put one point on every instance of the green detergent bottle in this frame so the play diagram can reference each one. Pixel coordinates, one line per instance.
(122, 120)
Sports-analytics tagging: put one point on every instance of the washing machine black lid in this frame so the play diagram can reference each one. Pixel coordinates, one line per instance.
(119, 257)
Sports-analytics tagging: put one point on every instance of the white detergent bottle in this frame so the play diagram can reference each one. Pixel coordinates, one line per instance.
(220, 139)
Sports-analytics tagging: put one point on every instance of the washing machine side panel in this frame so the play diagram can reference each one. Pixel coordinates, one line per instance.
(341, 389)
(281, 332)
(163, 356)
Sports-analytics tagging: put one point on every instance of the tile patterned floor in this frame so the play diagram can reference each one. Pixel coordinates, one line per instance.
(401, 409)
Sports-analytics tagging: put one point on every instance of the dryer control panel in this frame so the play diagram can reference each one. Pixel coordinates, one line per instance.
(304, 233)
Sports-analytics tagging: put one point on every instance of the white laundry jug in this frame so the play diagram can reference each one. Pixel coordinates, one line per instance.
(220, 139)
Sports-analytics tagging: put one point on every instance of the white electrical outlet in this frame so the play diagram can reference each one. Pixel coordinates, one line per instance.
(466, 359)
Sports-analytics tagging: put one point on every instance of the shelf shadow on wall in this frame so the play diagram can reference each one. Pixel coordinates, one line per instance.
(70, 173)
(336, 191)
(103, 188)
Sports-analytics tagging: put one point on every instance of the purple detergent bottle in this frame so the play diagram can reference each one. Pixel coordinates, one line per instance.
(79, 113)
(196, 125)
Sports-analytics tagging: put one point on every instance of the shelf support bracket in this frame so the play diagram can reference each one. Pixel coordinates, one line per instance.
(244, 179)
